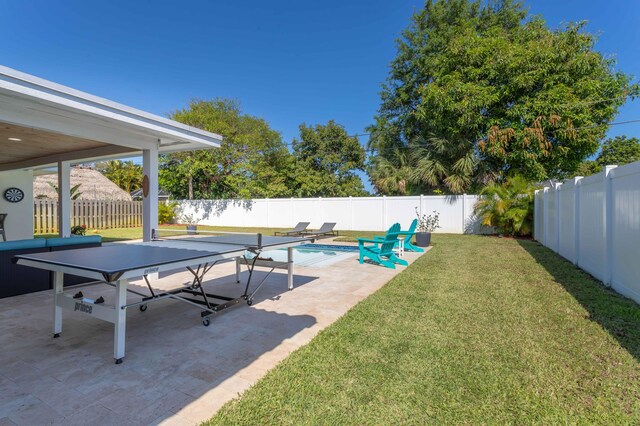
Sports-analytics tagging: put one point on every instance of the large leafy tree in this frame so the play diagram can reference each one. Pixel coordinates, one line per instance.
(327, 160)
(619, 151)
(480, 91)
(251, 162)
(126, 174)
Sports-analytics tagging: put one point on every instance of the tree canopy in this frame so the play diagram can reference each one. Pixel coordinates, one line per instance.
(480, 91)
(615, 151)
(327, 159)
(251, 162)
(126, 174)
(254, 162)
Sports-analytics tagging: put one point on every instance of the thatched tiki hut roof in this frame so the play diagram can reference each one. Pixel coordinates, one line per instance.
(93, 186)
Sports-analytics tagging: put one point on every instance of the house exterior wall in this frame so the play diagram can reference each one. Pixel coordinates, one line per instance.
(19, 222)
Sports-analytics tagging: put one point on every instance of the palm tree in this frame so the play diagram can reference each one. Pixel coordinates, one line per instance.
(392, 173)
(73, 193)
(507, 206)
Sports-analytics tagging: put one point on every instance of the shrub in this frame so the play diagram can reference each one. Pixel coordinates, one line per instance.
(508, 207)
(428, 223)
(167, 212)
(78, 230)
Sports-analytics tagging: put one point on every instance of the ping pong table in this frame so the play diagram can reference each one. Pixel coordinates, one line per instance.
(116, 264)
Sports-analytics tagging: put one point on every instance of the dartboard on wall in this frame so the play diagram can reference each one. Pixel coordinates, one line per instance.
(13, 195)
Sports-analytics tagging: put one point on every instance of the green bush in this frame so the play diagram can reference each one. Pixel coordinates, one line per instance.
(167, 212)
(508, 207)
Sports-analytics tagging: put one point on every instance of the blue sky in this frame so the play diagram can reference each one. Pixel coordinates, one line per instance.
(288, 62)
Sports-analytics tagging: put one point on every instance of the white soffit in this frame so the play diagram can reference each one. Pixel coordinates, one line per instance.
(36, 103)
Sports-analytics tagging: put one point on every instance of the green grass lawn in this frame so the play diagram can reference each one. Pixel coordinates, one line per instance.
(479, 330)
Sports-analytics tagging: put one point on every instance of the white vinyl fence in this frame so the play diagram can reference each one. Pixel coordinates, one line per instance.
(595, 223)
(350, 213)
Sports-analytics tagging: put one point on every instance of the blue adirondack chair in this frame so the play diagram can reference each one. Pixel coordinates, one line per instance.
(408, 236)
(381, 251)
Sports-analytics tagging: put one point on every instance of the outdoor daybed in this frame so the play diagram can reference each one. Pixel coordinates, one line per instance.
(17, 279)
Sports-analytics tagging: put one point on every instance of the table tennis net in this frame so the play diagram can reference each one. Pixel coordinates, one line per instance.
(214, 237)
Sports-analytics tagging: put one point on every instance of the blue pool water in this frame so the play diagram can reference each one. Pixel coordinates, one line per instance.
(313, 255)
(328, 247)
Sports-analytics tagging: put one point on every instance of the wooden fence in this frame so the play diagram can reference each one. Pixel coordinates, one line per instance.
(94, 214)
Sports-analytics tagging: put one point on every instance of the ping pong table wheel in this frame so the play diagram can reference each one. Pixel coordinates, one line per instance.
(206, 321)
(249, 302)
(143, 308)
(118, 361)
(56, 335)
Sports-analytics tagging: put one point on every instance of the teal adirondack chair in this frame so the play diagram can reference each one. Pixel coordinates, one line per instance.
(381, 251)
(408, 236)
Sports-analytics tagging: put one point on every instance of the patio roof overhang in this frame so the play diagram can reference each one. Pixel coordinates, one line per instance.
(43, 123)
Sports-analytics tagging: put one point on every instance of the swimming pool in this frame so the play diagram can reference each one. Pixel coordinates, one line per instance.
(313, 255)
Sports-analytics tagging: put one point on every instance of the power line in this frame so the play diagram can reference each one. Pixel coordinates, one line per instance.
(608, 124)
(349, 136)
(415, 146)
(581, 103)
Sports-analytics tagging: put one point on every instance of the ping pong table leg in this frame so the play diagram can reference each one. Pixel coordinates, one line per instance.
(120, 324)
(58, 288)
(237, 270)
(290, 268)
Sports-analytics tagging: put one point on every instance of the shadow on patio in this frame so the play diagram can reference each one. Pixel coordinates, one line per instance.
(175, 368)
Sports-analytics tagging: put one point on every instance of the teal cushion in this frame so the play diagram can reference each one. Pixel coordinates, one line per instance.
(59, 242)
(23, 244)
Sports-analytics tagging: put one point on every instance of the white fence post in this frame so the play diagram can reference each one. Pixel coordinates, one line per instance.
(350, 213)
(557, 187)
(384, 212)
(607, 228)
(464, 213)
(536, 209)
(576, 220)
(292, 203)
(545, 215)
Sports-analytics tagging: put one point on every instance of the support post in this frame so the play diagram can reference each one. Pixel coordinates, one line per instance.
(64, 198)
(150, 199)
(607, 225)
(290, 268)
(58, 288)
(120, 325)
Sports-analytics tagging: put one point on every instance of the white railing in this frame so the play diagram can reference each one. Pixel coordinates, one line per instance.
(94, 214)
(595, 223)
(350, 213)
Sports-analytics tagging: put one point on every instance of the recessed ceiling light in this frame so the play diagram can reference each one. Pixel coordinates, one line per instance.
(15, 139)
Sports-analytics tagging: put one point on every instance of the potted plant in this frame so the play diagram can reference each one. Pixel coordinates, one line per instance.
(426, 225)
(191, 222)
(78, 230)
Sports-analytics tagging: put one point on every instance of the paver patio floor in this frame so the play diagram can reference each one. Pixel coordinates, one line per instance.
(176, 371)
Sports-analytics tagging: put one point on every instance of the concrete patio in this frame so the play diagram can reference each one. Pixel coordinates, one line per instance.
(176, 371)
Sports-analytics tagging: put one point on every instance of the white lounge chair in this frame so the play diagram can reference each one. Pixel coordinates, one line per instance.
(299, 229)
(326, 230)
